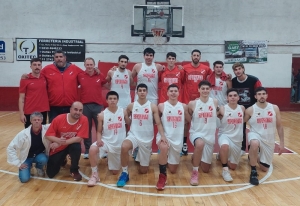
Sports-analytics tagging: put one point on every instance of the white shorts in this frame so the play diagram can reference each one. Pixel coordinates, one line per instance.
(207, 153)
(113, 159)
(234, 148)
(266, 151)
(173, 155)
(144, 152)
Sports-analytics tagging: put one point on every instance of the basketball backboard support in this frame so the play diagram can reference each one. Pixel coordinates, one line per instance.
(149, 17)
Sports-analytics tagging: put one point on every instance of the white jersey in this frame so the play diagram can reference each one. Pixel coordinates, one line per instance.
(204, 121)
(114, 131)
(142, 122)
(263, 123)
(173, 123)
(120, 83)
(232, 123)
(149, 76)
(219, 91)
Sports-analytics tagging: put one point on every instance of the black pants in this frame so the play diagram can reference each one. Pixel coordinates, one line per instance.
(28, 123)
(91, 111)
(55, 111)
(244, 143)
(56, 160)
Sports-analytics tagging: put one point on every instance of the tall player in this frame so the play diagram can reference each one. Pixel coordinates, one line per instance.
(194, 73)
(120, 80)
(141, 133)
(204, 113)
(147, 73)
(110, 135)
(173, 115)
(171, 75)
(230, 134)
(263, 118)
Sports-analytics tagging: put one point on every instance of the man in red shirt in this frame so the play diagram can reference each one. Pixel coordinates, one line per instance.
(33, 94)
(91, 97)
(65, 134)
(171, 75)
(194, 74)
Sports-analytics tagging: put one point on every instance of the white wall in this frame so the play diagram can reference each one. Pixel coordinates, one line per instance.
(105, 25)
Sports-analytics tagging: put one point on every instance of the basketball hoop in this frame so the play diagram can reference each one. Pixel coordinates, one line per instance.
(158, 35)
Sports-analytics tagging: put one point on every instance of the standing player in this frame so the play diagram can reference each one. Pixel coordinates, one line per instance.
(120, 81)
(141, 133)
(171, 75)
(263, 118)
(147, 73)
(194, 73)
(110, 135)
(230, 135)
(220, 83)
(33, 94)
(91, 96)
(173, 115)
(203, 128)
(246, 85)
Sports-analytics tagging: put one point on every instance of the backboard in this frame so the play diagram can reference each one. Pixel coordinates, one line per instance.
(167, 17)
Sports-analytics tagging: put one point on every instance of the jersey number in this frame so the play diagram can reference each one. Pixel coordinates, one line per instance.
(174, 124)
(141, 123)
(265, 126)
(205, 120)
(115, 131)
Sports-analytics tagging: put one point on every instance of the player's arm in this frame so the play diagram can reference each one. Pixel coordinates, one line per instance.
(221, 112)
(191, 107)
(157, 120)
(187, 115)
(279, 129)
(109, 76)
(257, 84)
(248, 114)
(229, 83)
(160, 109)
(126, 118)
(135, 70)
(129, 109)
(100, 118)
(21, 107)
(132, 83)
(217, 106)
(159, 67)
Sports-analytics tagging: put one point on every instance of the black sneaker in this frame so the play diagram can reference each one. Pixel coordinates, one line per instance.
(184, 150)
(253, 177)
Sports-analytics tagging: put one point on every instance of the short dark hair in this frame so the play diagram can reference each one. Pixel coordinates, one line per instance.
(218, 62)
(141, 85)
(232, 90)
(204, 82)
(171, 54)
(149, 51)
(258, 89)
(35, 60)
(60, 52)
(112, 93)
(173, 86)
(123, 57)
(196, 50)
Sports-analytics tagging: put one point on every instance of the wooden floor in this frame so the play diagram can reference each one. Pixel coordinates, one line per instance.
(280, 186)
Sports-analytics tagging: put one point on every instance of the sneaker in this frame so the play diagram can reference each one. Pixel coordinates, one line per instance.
(93, 180)
(135, 151)
(85, 156)
(218, 156)
(162, 181)
(124, 177)
(40, 172)
(194, 178)
(226, 176)
(184, 150)
(76, 176)
(242, 153)
(253, 177)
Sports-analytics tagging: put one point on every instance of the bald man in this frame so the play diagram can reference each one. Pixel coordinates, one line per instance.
(65, 134)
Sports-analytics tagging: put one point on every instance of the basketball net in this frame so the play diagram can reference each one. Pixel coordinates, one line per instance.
(158, 35)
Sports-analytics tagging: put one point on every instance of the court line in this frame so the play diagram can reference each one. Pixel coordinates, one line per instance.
(7, 114)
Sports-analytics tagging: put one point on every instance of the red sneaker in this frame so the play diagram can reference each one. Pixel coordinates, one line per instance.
(162, 181)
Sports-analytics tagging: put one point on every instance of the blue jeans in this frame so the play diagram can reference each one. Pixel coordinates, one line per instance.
(40, 161)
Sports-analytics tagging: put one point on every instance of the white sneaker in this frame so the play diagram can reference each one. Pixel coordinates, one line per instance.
(85, 156)
(226, 176)
(242, 153)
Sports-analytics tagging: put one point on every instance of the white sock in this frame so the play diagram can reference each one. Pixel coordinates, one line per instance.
(225, 168)
(125, 169)
(195, 169)
(94, 169)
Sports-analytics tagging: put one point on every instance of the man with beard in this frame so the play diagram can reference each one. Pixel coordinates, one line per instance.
(120, 80)
(246, 85)
(263, 118)
(33, 94)
(91, 96)
(65, 134)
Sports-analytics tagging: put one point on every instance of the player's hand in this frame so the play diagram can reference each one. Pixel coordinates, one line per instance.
(100, 143)
(164, 140)
(114, 68)
(97, 70)
(229, 77)
(281, 148)
(24, 76)
(62, 141)
(54, 145)
(180, 67)
(23, 166)
(23, 118)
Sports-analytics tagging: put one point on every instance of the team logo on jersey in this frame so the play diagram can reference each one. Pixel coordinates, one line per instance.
(179, 112)
(240, 114)
(120, 118)
(78, 127)
(210, 108)
(153, 70)
(270, 113)
(221, 83)
(146, 110)
(200, 108)
(178, 74)
(71, 72)
(202, 72)
(229, 114)
(126, 76)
